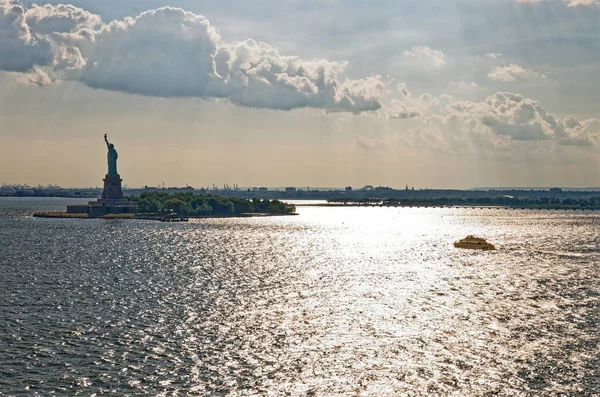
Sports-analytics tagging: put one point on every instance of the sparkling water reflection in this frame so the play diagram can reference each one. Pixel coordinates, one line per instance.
(336, 301)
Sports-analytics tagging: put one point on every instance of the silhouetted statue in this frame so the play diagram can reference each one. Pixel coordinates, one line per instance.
(112, 157)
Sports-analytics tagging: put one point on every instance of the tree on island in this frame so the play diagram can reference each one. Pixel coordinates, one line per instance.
(189, 204)
(177, 206)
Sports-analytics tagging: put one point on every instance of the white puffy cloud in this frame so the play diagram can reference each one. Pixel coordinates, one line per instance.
(400, 110)
(257, 75)
(592, 126)
(170, 52)
(575, 3)
(165, 52)
(570, 3)
(497, 122)
(513, 72)
(426, 55)
(20, 49)
(464, 84)
(521, 119)
(409, 107)
(493, 55)
(36, 76)
(60, 18)
(32, 42)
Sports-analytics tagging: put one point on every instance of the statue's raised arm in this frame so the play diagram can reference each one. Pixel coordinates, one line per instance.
(106, 140)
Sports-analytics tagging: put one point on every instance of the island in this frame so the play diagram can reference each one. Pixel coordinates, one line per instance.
(169, 207)
(163, 206)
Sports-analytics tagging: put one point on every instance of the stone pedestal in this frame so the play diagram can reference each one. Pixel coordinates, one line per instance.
(111, 206)
(112, 201)
(112, 188)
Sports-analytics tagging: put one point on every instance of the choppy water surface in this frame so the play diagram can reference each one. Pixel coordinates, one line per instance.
(336, 301)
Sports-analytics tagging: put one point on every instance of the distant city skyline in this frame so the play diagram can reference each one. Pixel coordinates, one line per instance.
(316, 93)
(216, 187)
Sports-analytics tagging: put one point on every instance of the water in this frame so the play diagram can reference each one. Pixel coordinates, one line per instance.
(335, 301)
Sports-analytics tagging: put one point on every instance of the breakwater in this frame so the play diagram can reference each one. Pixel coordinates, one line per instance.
(592, 203)
(491, 207)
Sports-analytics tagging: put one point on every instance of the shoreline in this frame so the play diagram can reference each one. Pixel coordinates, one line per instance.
(149, 217)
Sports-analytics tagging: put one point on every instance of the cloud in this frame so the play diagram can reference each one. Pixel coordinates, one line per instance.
(493, 55)
(31, 40)
(521, 119)
(34, 77)
(406, 106)
(169, 52)
(164, 52)
(575, 3)
(513, 72)
(20, 49)
(426, 55)
(61, 18)
(464, 84)
(257, 75)
(503, 121)
(570, 3)
(399, 110)
(369, 144)
(592, 125)
(403, 91)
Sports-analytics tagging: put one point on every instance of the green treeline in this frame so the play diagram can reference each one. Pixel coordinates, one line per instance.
(206, 204)
(515, 202)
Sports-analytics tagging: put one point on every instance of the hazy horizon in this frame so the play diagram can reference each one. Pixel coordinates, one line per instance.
(312, 188)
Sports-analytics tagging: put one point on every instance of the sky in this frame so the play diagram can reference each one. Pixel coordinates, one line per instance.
(319, 93)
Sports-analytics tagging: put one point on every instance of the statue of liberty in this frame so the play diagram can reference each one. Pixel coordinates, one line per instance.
(112, 158)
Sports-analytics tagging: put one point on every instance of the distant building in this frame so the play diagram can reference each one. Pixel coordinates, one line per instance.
(555, 190)
(348, 189)
(262, 189)
(290, 190)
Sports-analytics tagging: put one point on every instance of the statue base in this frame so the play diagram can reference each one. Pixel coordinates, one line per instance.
(112, 188)
(111, 201)
(111, 206)
(102, 207)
